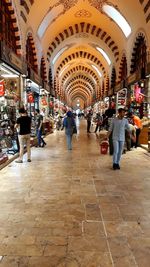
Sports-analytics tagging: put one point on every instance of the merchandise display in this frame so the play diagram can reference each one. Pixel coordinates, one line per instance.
(8, 134)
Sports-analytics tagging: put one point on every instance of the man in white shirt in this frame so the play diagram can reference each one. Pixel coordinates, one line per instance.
(118, 126)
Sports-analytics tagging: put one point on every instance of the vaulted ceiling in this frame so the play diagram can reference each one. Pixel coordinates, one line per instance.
(72, 36)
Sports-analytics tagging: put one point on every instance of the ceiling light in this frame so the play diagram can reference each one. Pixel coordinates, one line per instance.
(104, 55)
(118, 18)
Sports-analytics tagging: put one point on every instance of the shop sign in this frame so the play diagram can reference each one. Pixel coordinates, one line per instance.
(132, 78)
(7, 56)
(122, 97)
(117, 87)
(46, 87)
(35, 77)
(30, 98)
(2, 88)
(15, 60)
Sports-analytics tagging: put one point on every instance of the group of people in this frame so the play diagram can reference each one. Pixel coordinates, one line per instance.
(23, 124)
(121, 129)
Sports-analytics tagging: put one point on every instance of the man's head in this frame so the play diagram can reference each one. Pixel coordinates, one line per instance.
(121, 112)
(69, 114)
(130, 114)
(22, 111)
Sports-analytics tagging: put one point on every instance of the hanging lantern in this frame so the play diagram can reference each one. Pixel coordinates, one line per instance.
(43, 101)
(51, 104)
(30, 98)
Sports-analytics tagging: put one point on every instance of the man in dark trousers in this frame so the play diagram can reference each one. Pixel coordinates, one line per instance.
(39, 128)
(24, 125)
(89, 119)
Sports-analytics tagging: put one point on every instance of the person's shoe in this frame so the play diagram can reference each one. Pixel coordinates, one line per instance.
(44, 144)
(29, 160)
(19, 161)
(117, 167)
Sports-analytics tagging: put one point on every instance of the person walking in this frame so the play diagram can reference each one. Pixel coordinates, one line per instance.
(118, 126)
(89, 119)
(98, 122)
(70, 128)
(39, 128)
(24, 125)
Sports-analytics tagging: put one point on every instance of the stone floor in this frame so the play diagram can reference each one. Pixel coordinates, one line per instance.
(70, 209)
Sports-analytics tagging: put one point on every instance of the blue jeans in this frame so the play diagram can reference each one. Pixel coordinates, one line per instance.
(118, 148)
(69, 141)
(39, 135)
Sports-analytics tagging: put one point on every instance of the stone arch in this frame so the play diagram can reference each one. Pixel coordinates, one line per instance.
(123, 71)
(113, 77)
(78, 69)
(139, 60)
(31, 55)
(12, 31)
(84, 55)
(43, 72)
(84, 28)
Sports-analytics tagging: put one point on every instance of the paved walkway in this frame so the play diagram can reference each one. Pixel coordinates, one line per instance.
(70, 209)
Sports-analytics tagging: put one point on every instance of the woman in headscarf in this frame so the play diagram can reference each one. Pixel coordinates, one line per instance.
(70, 128)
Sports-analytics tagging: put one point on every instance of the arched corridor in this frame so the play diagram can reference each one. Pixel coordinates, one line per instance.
(69, 208)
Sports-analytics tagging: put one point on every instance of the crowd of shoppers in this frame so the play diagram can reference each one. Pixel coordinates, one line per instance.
(123, 131)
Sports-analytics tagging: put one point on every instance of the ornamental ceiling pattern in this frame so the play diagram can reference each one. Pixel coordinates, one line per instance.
(67, 4)
(83, 14)
(98, 4)
(81, 54)
(80, 68)
(88, 29)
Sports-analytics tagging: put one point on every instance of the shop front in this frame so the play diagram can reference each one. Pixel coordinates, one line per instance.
(11, 86)
(45, 110)
(138, 103)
